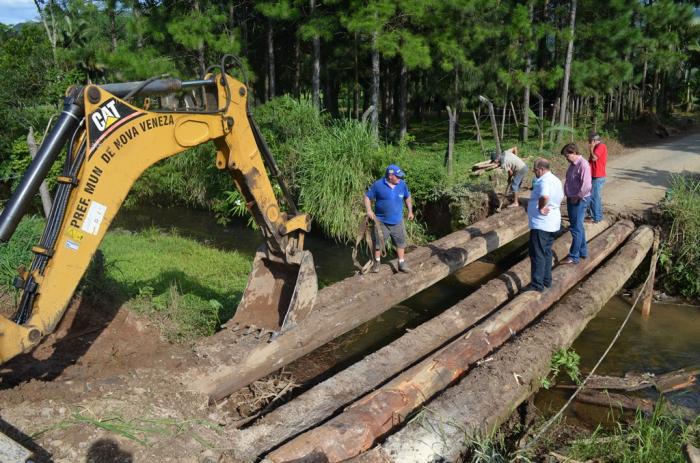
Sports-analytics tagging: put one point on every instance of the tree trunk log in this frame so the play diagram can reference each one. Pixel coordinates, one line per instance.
(567, 70)
(365, 421)
(489, 394)
(324, 399)
(43, 188)
(349, 303)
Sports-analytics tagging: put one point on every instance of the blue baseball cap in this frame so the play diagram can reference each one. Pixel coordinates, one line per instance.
(396, 170)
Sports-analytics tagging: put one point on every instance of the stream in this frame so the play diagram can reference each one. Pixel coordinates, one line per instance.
(666, 341)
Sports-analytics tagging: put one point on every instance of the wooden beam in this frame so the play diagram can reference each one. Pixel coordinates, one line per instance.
(488, 395)
(351, 302)
(326, 398)
(365, 421)
(648, 293)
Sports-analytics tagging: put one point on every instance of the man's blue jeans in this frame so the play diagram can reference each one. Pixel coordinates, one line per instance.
(577, 212)
(595, 209)
(541, 259)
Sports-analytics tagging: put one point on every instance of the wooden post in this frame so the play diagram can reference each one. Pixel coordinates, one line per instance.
(494, 125)
(540, 122)
(648, 291)
(356, 429)
(43, 189)
(503, 119)
(478, 134)
(554, 118)
(515, 116)
(452, 116)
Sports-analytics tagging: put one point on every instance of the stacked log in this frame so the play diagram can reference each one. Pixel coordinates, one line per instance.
(360, 425)
(491, 392)
(347, 304)
(324, 399)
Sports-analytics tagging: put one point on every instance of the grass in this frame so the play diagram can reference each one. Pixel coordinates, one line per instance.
(654, 439)
(187, 287)
(680, 253)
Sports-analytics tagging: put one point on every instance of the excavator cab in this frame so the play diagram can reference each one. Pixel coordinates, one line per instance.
(109, 142)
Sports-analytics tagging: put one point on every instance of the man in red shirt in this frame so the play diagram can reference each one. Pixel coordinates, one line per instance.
(598, 158)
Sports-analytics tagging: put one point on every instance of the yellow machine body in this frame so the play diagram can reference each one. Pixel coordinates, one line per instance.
(122, 142)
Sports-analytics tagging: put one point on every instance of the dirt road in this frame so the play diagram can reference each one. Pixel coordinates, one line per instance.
(637, 180)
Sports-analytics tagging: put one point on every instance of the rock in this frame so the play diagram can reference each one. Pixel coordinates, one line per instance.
(46, 412)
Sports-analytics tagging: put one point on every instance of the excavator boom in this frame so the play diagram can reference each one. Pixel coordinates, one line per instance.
(109, 143)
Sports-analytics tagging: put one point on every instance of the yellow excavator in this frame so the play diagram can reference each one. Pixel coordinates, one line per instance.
(109, 142)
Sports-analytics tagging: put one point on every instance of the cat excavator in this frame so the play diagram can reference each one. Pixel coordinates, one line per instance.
(109, 141)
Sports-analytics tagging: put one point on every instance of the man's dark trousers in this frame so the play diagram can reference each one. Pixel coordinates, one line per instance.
(541, 259)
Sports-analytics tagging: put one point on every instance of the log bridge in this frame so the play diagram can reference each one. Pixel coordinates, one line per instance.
(474, 363)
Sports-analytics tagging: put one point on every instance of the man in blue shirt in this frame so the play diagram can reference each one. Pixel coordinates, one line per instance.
(389, 194)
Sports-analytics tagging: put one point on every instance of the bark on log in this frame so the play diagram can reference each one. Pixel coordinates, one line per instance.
(616, 401)
(324, 399)
(356, 429)
(351, 302)
(666, 382)
(488, 395)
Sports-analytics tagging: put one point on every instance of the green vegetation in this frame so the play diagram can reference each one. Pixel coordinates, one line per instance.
(654, 439)
(18, 251)
(188, 288)
(680, 252)
(568, 361)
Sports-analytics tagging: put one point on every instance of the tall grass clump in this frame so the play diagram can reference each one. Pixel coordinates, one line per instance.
(332, 173)
(18, 251)
(655, 439)
(680, 253)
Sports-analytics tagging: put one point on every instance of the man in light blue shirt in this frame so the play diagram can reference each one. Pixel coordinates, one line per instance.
(544, 219)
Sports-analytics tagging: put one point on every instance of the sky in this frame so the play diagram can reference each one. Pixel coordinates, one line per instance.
(17, 11)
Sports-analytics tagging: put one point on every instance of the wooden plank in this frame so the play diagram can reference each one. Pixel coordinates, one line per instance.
(360, 425)
(326, 398)
(351, 302)
(488, 395)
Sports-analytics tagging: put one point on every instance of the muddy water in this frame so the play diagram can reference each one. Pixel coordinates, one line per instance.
(668, 340)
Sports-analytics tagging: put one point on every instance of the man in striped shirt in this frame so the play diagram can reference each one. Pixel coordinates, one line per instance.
(577, 189)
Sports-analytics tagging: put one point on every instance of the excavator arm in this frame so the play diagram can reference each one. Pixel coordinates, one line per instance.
(109, 144)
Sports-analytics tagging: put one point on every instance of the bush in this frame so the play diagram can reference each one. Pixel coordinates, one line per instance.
(680, 253)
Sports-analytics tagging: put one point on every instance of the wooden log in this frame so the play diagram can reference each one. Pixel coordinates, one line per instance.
(353, 301)
(488, 395)
(361, 424)
(666, 382)
(616, 400)
(675, 380)
(324, 399)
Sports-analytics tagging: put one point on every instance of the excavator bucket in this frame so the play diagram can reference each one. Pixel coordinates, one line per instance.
(278, 294)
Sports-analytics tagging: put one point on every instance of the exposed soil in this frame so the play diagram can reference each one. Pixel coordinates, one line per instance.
(106, 386)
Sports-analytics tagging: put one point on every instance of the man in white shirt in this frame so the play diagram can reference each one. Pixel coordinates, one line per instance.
(544, 219)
